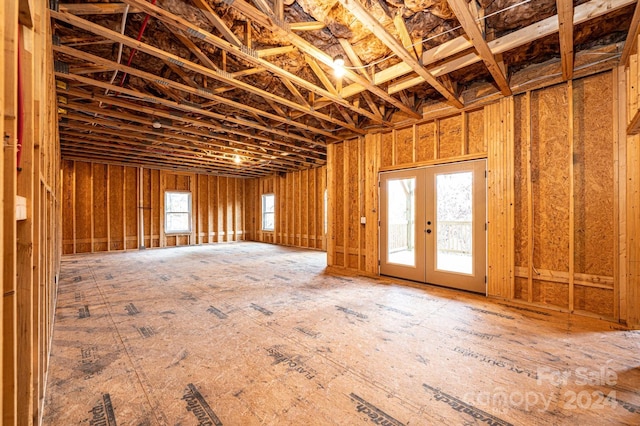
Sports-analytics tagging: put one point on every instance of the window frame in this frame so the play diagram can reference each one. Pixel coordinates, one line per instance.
(263, 213)
(167, 193)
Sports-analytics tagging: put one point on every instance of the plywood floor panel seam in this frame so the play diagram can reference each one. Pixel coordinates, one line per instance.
(256, 334)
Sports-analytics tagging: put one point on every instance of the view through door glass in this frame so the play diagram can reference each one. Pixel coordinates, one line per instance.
(402, 227)
(454, 222)
(402, 235)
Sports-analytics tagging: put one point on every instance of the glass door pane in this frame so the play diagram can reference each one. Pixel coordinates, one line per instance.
(402, 234)
(455, 225)
(454, 222)
(401, 228)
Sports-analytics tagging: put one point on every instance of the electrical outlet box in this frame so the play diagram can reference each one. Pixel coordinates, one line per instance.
(363, 220)
(21, 208)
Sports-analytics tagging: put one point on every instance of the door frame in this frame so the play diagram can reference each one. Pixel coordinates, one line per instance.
(426, 175)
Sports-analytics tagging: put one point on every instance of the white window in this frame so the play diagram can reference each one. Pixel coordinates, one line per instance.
(268, 212)
(177, 212)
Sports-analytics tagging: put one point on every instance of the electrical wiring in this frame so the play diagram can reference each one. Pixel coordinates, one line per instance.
(379, 61)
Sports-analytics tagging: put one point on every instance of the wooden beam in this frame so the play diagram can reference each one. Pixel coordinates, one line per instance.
(306, 26)
(373, 25)
(354, 58)
(295, 92)
(167, 92)
(634, 125)
(530, 212)
(279, 111)
(217, 22)
(461, 9)
(565, 25)
(269, 21)
(96, 8)
(105, 151)
(247, 72)
(216, 74)
(245, 53)
(202, 57)
(582, 13)
(278, 9)
(405, 38)
(193, 91)
(25, 13)
(374, 107)
(274, 51)
(572, 201)
(104, 147)
(88, 69)
(128, 133)
(10, 29)
(189, 108)
(208, 142)
(176, 69)
(632, 37)
(319, 72)
(264, 6)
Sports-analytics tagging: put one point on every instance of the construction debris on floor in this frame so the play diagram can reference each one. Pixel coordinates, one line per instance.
(256, 334)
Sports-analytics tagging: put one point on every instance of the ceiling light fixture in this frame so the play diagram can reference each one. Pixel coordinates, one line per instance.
(237, 159)
(338, 66)
(156, 124)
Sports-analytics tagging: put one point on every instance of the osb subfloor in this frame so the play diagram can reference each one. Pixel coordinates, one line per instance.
(256, 334)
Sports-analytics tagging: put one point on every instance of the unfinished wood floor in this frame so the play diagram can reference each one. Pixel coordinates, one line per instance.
(256, 334)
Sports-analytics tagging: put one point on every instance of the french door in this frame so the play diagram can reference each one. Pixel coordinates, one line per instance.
(432, 225)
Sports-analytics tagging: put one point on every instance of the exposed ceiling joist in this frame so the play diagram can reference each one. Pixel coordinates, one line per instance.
(218, 75)
(373, 25)
(461, 9)
(128, 132)
(184, 107)
(188, 137)
(517, 38)
(318, 54)
(96, 8)
(214, 78)
(215, 20)
(243, 52)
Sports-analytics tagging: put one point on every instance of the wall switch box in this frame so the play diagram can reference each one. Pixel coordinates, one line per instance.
(21, 208)
(363, 220)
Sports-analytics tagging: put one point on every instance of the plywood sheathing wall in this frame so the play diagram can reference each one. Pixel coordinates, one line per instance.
(630, 293)
(299, 203)
(109, 207)
(31, 247)
(565, 223)
(552, 192)
(352, 173)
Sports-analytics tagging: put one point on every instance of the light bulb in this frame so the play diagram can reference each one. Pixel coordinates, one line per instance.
(237, 159)
(338, 66)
